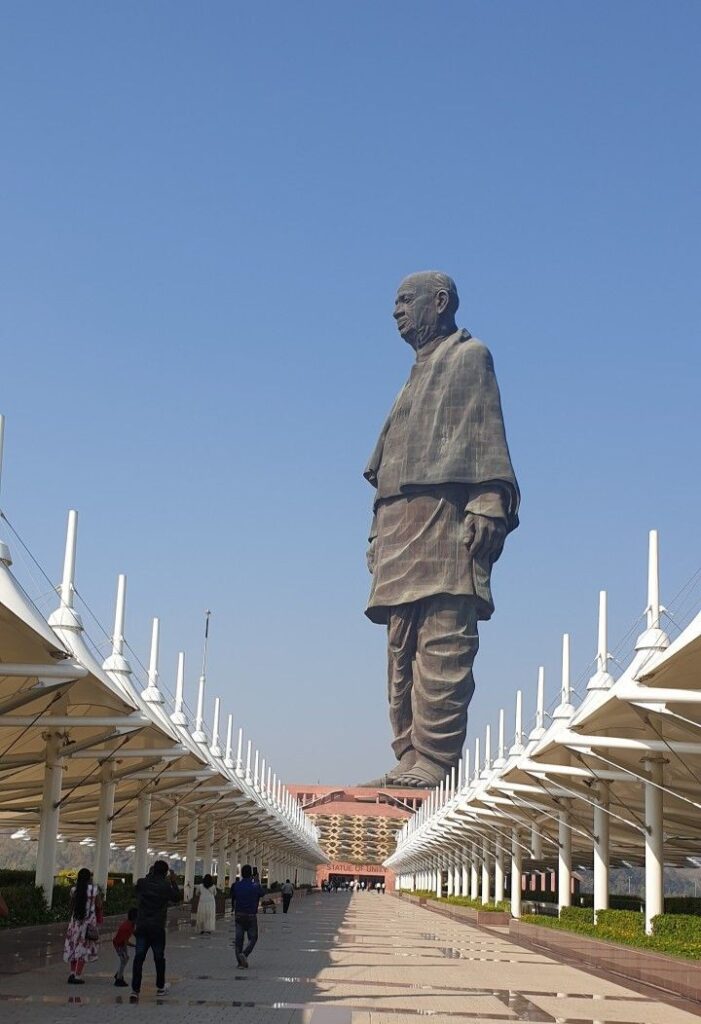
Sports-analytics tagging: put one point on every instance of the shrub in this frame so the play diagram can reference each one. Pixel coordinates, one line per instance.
(9, 877)
(674, 934)
(620, 923)
(26, 905)
(466, 901)
(578, 918)
(119, 898)
(61, 903)
(679, 926)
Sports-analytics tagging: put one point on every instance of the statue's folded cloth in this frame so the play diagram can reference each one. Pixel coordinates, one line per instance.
(441, 454)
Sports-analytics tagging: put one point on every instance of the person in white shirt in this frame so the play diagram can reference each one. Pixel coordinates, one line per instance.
(287, 889)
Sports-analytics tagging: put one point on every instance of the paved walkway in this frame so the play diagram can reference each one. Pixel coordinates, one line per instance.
(337, 959)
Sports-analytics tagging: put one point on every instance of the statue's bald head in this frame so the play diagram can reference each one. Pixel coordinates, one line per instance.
(425, 307)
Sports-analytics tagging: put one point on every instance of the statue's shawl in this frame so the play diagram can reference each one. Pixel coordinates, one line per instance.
(455, 427)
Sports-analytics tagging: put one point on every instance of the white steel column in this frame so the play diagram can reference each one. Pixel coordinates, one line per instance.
(451, 878)
(104, 826)
(485, 872)
(235, 857)
(457, 876)
(474, 876)
(143, 823)
(465, 888)
(191, 857)
(439, 879)
(564, 862)
(48, 822)
(499, 872)
(208, 848)
(172, 824)
(222, 853)
(516, 870)
(654, 843)
(601, 850)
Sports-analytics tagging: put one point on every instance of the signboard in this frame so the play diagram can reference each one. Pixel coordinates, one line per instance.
(341, 868)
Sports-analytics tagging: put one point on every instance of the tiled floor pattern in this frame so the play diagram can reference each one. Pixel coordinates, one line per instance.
(337, 959)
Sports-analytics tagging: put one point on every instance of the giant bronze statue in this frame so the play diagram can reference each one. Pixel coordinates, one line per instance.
(446, 497)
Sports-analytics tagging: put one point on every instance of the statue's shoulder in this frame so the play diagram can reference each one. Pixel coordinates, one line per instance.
(472, 351)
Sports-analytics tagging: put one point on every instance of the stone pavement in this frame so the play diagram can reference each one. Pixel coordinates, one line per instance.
(340, 959)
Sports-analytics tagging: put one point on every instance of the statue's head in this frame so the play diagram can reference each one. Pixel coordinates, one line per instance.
(425, 307)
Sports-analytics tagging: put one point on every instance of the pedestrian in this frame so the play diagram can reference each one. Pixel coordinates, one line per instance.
(82, 936)
(245, 895)
(288, 890)
(121, 945)
(4, 909)
(154, 892)
(206, 906)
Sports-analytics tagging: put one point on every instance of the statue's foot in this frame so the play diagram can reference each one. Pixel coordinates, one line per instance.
(424, 774)
(405, 764)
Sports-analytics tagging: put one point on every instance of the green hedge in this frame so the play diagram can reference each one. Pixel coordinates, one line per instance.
(674, 934)
(9, 877)
(615, 923)
(119, 899)
(687, 925)
(577, 919)
(465, 901)
(27, 905)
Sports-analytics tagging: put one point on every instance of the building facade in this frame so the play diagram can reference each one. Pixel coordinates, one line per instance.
(357, 828)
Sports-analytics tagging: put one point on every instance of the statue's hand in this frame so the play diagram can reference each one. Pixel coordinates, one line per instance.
(484, 536)
(370, 555)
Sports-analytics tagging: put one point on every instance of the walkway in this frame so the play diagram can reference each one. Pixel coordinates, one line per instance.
(337, 959)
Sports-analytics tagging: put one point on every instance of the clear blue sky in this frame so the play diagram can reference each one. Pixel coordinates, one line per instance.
(206, 209)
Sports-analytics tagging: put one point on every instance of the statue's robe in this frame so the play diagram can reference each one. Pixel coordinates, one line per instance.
(441, 453)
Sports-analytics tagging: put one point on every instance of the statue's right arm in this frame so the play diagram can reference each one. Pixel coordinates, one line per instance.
(370, 553)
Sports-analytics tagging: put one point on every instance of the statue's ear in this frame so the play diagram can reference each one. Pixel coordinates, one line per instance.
(442, 300)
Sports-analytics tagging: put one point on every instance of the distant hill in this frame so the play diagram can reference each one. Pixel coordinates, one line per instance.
(677, 881)
(21, 855)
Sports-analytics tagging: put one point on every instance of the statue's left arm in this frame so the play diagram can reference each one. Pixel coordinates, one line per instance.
(486, 520)
(491, 509)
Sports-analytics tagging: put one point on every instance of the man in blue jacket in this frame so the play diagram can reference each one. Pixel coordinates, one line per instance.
(245, 895)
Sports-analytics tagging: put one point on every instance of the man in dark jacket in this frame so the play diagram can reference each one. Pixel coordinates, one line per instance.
(245, 895)
(446, 497)
(154, 892)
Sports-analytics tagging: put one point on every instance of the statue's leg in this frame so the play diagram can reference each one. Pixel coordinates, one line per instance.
(401, 651)
(443, 685)
(402, 622)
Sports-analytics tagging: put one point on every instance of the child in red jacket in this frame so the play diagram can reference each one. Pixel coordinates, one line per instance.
(121, 945)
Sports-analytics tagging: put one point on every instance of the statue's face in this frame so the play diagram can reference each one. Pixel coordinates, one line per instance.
(416, 310)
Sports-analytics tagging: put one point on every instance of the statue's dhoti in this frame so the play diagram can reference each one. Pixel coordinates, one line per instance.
(432, 644)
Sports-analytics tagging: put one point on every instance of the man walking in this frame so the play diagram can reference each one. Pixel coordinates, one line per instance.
(154, 893)
(245, 895)
(287, 890)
